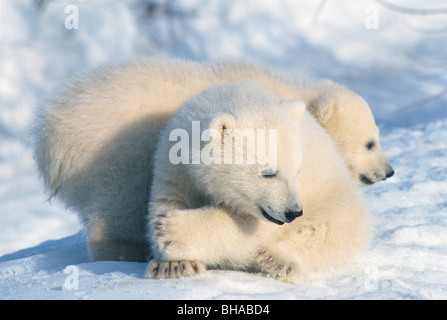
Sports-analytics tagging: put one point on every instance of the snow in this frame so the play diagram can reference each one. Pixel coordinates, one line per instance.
(398, 65)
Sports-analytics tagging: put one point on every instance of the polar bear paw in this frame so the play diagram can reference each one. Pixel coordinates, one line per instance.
(173, 269)
(161, 237)
(169, 238)
(279, 269)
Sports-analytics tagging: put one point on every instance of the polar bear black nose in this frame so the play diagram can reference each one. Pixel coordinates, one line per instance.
(390, 173)
(292, 215)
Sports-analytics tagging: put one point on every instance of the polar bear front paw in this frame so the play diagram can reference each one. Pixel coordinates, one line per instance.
(278, 268)
(173, 269)
(169, 236)
(160, 234)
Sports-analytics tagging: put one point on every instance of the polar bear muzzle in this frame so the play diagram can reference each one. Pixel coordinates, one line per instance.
(289, 216)
(369, 179)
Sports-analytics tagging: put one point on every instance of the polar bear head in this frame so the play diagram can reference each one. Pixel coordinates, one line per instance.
(350, 122)
(250, 154)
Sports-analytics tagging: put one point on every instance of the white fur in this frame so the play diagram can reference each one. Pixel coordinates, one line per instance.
(95, 140)
(189, 225)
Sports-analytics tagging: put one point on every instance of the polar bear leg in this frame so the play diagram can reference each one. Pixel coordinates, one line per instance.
(180, 239)
(105, 243)
(207, 234)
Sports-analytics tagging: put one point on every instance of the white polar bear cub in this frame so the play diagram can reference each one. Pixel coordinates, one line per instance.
(247, 159)
(248, 216)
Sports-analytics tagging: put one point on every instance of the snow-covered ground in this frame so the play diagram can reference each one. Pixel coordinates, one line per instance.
(395, 59)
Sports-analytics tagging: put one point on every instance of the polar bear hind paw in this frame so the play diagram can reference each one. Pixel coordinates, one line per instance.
(278, 268)
(173, 269)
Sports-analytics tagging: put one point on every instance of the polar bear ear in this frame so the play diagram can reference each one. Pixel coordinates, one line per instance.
(222, 121)
(294, 108)
(323, 107)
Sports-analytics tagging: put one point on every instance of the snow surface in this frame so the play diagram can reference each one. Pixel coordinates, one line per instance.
(398, 67)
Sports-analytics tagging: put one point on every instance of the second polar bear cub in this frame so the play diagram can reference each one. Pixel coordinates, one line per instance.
(246, 161)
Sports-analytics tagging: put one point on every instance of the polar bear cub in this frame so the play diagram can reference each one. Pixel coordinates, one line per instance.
(245, 216)
(246, 161)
